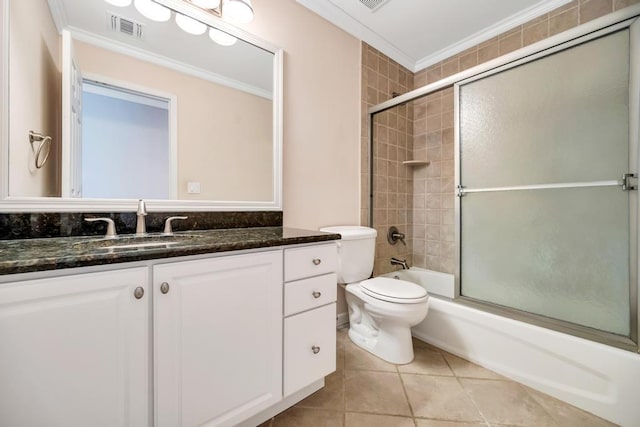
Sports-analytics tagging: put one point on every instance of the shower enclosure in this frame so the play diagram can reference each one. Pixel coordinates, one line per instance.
(530, 198)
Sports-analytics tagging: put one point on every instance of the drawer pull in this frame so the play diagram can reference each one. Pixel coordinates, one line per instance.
(317, 261)
(164, 287)
(138, 292)
(316, 294)
(315, 349)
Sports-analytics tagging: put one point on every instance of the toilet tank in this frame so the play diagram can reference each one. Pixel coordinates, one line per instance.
(356, 252)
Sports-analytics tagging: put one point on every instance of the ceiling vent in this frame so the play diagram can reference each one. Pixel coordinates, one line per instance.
(373, 4)
(125, 26)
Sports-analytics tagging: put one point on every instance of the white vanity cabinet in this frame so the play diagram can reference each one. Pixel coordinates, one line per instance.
(218, 339)
(74, 350)
(221, 340)
(310, 310)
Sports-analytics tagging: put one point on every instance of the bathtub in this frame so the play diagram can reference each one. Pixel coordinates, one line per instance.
(598, 378)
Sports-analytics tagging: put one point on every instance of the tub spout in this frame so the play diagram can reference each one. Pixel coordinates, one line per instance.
(401, 262)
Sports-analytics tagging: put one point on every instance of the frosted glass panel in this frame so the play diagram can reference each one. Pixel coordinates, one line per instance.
(550, 120)
(561, 253)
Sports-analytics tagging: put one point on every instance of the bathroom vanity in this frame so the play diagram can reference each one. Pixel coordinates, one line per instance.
(226, 328)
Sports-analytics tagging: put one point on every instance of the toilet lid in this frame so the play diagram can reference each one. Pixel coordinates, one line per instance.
(395, 290)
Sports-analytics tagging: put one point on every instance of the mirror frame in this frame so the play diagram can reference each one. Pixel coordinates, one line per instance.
(61, 204)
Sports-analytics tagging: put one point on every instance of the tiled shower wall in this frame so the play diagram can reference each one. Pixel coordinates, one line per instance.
(393, 202)
(432, 187)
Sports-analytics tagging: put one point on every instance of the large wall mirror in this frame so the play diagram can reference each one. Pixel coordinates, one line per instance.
(103, 106)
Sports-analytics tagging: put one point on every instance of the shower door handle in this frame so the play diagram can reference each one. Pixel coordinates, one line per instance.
(625, 181)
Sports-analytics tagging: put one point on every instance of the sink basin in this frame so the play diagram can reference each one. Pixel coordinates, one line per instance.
(132, 243)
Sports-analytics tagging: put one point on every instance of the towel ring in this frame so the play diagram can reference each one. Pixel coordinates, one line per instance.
(45, 141)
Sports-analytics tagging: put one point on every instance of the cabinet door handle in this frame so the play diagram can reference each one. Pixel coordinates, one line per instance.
(317, 261)
(164, 287)
(138, 292)
(315, 349)
(316, 294)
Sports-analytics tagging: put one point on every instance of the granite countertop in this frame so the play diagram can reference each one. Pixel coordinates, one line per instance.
(29, 255)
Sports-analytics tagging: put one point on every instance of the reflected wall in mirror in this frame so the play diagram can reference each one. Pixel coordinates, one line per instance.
(136, 108)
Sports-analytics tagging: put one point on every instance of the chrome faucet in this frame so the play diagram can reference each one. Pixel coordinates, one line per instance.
(141, 226)
(401, 262)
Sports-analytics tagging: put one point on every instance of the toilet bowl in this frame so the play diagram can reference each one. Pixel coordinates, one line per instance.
(382, 310)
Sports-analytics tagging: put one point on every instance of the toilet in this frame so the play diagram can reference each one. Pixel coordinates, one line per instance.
(382, 310)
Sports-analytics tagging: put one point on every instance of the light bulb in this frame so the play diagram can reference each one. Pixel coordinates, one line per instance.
(221, 37)
(119, 3)
(238, 10)
(153, 11)
(206, 4)
(190, 25)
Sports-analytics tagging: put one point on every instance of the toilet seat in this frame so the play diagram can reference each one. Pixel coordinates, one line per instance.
(394, 290)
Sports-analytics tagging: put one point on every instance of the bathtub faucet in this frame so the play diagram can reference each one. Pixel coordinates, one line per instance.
(401, 262)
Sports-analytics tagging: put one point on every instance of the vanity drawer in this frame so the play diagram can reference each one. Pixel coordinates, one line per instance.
(309, 347)
(309, 293)
(310, 261)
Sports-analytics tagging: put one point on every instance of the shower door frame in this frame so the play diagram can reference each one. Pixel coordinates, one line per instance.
(606, 24)
(627, 343)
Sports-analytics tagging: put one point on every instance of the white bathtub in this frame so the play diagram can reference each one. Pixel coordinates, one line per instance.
(600, 379)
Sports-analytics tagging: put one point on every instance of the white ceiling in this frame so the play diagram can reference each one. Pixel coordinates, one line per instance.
(418, 33)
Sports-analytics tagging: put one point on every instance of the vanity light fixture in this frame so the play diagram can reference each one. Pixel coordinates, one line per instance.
(221, 37)
(190, 25)
(119, 3)
(238, 10)
(206, 4)
(152, 10)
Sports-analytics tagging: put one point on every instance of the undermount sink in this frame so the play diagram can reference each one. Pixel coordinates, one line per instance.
(132, 243)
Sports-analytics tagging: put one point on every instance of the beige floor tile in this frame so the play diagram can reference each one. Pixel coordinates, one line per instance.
(357, 358)
(375, 392)
(565, 414)
(371, 420)
(418, 343)
(331, 396)
(339, 359)
(441, 398)
(506, 402)
(426, 361)
(438, 423)
(464, 368)
(307, 417)
(266, 423)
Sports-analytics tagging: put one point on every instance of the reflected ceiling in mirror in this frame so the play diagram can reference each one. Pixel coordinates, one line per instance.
(217, 142)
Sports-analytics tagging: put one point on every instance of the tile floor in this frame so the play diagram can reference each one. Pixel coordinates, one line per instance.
(437, 389)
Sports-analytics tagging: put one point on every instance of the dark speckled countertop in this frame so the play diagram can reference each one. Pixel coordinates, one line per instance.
(29, 255)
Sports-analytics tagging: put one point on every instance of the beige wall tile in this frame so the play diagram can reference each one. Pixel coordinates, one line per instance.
(592, 9)
(535, 33)
(511, 43)
(621, 4)
(563, 21)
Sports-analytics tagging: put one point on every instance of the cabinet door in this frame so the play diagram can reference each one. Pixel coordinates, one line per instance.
(309, 347)
(218, 339)
(74, 351)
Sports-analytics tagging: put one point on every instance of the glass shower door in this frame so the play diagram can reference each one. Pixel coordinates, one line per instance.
(544, 220)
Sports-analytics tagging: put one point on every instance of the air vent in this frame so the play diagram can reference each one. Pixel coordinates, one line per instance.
(125, 26)
(373, 4)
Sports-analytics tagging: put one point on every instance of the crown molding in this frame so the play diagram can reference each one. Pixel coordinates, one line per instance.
(125, 49)
(498, 28)
(58, 15)
(341, 19)
(344, 21)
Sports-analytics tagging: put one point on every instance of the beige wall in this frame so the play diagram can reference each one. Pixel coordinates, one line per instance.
(224, 135)
(34, 94)
(321, 114)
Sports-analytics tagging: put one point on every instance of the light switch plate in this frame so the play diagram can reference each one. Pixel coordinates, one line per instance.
(193, 187)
